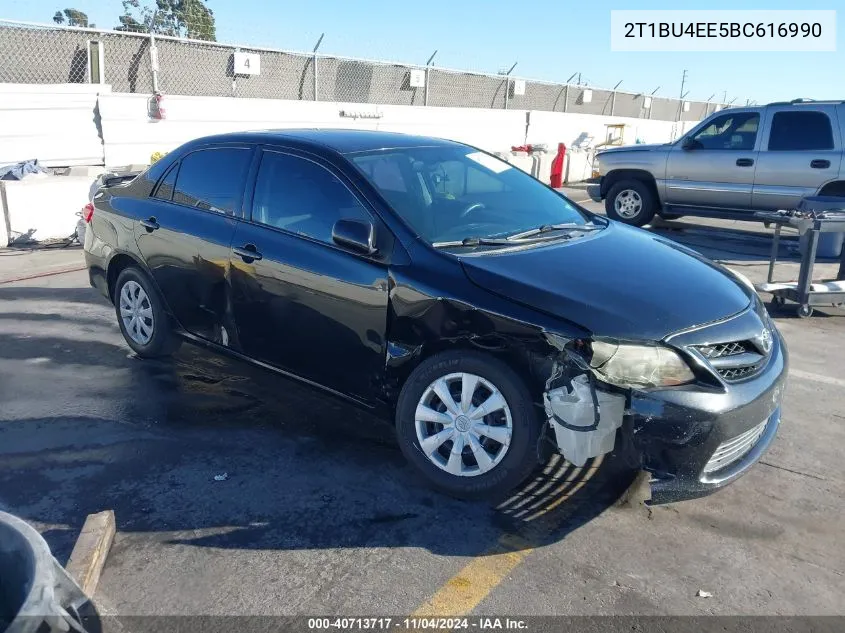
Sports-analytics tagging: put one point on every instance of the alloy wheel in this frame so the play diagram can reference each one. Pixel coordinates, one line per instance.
(628, 204)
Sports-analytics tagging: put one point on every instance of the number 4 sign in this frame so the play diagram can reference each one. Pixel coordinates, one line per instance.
(247, 63)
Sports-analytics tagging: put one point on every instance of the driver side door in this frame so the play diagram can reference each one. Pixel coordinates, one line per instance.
(714, 166)
(303, 302)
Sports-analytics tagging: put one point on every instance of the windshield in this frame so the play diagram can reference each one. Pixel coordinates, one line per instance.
(454, 193)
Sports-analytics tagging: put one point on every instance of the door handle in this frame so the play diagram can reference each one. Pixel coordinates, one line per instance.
(247, 252)
(819, 164)
(150, 224)
(744, 162)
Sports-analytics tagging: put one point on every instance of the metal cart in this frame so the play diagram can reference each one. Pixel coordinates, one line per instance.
(804, 292)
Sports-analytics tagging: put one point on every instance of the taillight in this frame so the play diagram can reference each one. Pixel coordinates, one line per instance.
(88, 212)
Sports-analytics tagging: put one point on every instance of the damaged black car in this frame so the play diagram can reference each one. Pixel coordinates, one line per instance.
(439, 286)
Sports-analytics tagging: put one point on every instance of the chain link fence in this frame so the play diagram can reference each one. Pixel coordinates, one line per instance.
(42, 54)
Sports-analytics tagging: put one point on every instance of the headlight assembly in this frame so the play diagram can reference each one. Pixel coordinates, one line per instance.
(642, 366)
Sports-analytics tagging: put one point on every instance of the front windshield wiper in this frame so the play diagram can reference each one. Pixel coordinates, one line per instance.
(548, 228)
(473, 241)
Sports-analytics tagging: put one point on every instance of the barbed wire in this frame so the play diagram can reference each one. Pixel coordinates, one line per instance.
(261, 36)
(43, 53)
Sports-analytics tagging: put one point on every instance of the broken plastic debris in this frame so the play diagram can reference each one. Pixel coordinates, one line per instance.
(568, 410)
(704, 594)
(222, 477)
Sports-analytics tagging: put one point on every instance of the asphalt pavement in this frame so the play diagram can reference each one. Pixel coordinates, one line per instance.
(238, 492)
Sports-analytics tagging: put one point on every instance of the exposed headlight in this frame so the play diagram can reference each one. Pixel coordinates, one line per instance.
(640, 366)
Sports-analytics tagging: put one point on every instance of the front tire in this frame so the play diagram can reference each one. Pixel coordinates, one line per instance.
(631, 202)
(143, 321)
(466, 422)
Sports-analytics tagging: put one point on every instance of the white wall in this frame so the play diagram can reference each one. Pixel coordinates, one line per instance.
(43, 206)
(131, 136)
(55, 124)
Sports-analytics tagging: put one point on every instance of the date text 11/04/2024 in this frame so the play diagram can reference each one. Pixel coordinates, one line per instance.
(416, 624)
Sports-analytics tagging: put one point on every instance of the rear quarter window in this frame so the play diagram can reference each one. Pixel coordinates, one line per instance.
(213, 179)
(800, 131)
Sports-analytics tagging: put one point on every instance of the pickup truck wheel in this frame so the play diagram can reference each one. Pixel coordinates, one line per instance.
(466, 422)
(631, 202)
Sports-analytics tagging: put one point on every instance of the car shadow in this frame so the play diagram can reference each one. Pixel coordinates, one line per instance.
(216, 453)
(60, 295)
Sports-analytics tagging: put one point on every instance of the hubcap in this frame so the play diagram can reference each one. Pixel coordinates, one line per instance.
(463, 424)
(628, 204)
(136, 312)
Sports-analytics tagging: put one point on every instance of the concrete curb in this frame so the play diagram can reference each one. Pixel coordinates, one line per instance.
(92, 547)
(46, 273)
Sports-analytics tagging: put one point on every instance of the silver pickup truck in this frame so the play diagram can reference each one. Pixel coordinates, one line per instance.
(733, 163)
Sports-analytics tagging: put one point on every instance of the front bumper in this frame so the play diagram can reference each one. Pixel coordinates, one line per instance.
(694, 442)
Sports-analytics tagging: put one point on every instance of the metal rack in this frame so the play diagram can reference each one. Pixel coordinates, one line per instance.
(804, 292)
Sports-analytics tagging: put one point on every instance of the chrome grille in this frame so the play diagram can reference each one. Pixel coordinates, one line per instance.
(734, 360)
(721, 350)
(734, 449)
(738, 373)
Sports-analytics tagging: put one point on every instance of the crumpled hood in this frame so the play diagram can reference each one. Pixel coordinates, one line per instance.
(618, 282)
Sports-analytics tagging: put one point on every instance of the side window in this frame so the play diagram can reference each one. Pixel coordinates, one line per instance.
(300, 196)
(164, 191)
(736, 131)
(797, 131)
(213, 179)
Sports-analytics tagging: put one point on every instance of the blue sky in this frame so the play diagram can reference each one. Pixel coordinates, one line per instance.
(548, 39)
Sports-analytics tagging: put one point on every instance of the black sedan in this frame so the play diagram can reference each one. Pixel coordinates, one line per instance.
(439, 286)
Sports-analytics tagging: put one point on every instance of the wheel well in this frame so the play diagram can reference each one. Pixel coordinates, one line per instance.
(520, 362)
(116, 266)
(628, 174)
(836, 188)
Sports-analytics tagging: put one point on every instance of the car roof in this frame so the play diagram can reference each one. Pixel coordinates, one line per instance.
(343, 141)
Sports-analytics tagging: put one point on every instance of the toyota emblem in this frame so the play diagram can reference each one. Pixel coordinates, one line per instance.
(766, 340)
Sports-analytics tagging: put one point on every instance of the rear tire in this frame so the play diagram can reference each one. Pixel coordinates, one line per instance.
(631, 202)
(143, 321)
(488, 467)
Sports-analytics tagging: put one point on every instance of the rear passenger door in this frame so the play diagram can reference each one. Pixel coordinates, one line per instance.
(801, 152)
(186, 232)
(304, 303)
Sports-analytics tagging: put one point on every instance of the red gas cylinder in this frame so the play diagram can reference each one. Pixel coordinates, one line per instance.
(557, 166)
(157, 110)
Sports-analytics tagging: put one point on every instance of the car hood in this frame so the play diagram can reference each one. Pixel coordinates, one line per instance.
(618, 282)
(633, 148)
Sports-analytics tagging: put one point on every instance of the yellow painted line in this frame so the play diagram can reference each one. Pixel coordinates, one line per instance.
(466, 589)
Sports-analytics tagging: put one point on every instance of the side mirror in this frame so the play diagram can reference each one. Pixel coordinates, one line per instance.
(358, 235)
(688, 143)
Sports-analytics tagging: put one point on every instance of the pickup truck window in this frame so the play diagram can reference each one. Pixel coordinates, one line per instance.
(799, 131)
(734, 131)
